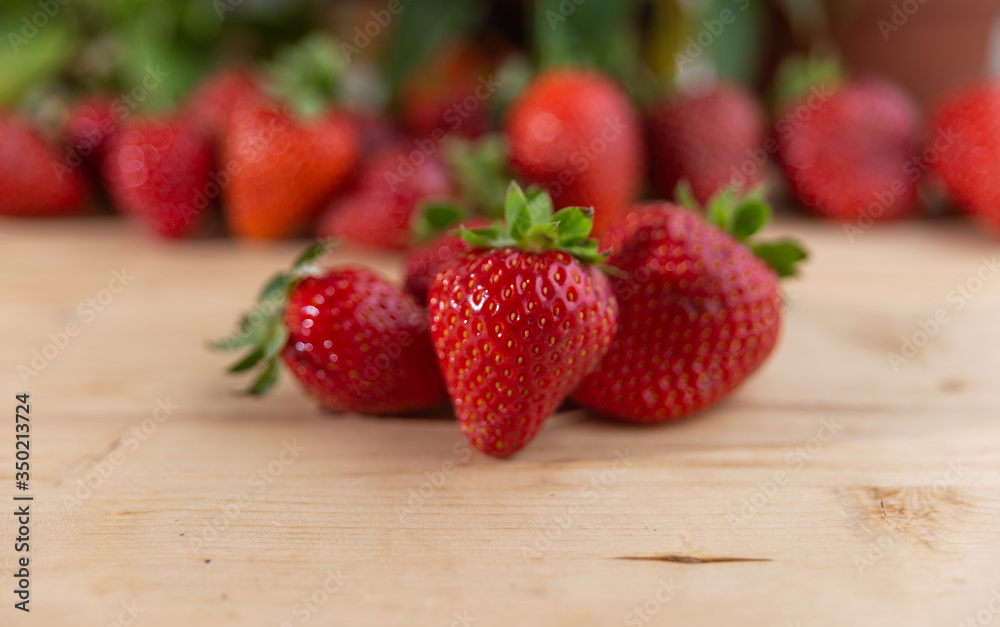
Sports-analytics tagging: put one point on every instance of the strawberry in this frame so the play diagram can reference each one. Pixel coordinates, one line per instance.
(34, 180)
(450, 93)
(706, 137)
(965, 139)
(438, 247)
(575, 133)
(158, 171)
(283, 168)
(355, 342)
(285, 163)
(213, 101)
(90, 126)
(519, 319)
(850, 155)
(699, 311)
(378, 210)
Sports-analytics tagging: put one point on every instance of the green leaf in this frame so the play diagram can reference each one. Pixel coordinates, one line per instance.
(249, 361)
(684, 197)
(587, 252)
(277, 341)
(575, 224)
(434, 217)
(540, 206)
(267, 379)
(515, 212)
(751, 216)
(781, 255)
(543, 236)
(479, 238)
(313, 252)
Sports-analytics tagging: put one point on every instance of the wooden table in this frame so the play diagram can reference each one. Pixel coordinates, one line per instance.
(832, 489)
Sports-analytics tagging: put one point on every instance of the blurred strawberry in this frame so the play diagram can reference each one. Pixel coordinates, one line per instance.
(378, 210)
(375, 132)
(34, 177)
(450, 93)
(90, 126)
(158, 172)
(283, 169)
(575, 133)
(852, 156)
(965, 138)
(705, 138)
(211, 103)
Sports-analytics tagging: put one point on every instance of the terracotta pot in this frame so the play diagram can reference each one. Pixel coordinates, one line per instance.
(926, 45)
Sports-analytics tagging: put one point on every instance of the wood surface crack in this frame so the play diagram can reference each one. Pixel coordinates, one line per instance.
(692, 559)
(881, 503)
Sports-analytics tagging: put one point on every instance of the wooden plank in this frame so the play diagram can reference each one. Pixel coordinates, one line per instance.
(832, 489)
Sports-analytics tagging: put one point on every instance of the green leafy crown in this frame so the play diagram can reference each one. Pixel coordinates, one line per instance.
(742, 216)
(531, 223)
(262, 330)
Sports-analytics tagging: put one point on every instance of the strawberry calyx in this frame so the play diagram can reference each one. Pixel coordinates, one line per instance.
(480, 171)
(531, 223)
(742, 216)
(307, 75)
(798, 74)
(262, 330)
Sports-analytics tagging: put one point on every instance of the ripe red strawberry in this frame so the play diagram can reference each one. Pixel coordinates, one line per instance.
(90, 126)
(850, 155)
(425, 260)
(213, 101)
(378, 210)
(355, 342)
(34, 180)
(699, 311)
(965, 139)
(575, 133)
(283, 168)
(451, 93)
(158, 172)
(706, 137)
(518, 320)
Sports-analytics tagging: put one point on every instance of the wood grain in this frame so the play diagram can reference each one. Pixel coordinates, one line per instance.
(831, 490)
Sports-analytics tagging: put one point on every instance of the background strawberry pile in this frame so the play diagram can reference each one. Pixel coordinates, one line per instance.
(278, 119)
